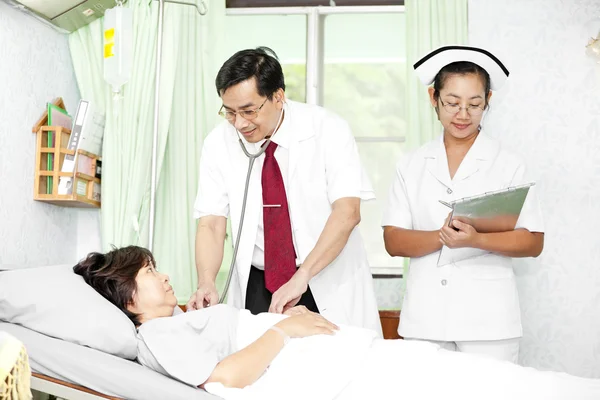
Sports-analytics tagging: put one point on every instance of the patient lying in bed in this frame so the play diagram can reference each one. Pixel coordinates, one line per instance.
(235, 354)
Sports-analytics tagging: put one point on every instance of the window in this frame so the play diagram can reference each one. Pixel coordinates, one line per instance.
(363, 81)
(358, 73)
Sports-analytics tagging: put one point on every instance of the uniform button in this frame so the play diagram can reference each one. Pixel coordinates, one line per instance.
(449, 191)
(444, 282)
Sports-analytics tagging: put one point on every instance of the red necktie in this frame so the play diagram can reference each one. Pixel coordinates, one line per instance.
(280, 256)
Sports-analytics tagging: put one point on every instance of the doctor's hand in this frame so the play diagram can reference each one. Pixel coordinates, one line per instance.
(288, 295)
(463, 236)
(297, 310)
(307, 324)
(205, 296)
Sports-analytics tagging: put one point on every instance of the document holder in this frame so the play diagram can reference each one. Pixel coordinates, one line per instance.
(496, 211)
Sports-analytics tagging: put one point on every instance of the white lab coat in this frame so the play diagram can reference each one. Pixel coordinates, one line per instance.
(473, 299)
(324, 166)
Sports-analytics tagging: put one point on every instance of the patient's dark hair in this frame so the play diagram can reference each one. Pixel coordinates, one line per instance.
(113, 275)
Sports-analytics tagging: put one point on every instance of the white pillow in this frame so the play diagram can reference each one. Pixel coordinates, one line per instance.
(57, 302)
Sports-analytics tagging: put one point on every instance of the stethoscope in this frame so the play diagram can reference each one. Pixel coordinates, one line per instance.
(251, 159)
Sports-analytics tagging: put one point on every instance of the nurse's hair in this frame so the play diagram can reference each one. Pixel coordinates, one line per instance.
(113, 275)
(260, 63)
(461, 68)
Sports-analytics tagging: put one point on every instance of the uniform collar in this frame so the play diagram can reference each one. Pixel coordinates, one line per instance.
(282, 137)
(482, 150)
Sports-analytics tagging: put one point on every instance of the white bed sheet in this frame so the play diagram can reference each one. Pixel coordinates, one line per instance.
(99, 371)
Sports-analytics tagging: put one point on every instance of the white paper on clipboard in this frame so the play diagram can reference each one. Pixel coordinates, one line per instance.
(496, 211)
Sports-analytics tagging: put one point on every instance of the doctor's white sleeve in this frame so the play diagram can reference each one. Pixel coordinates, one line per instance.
(397, 211)
(212, 197)
(345, 174)
(531, 217)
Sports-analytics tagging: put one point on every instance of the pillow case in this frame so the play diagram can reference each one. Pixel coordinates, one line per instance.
(55, 301)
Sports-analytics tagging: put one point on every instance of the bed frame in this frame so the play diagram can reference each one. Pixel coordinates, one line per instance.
(70, 391)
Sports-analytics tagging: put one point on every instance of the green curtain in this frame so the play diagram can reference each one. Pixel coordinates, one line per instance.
(194, 114)
(188, 105)
(127, 146)
(429, 24)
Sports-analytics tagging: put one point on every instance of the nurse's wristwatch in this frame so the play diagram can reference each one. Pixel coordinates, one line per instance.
(284, 335)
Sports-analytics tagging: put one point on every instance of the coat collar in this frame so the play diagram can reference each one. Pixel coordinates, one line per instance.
(484, 149)
(291, 131)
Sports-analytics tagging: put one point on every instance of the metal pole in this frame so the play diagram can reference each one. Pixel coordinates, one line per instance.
(161, 16)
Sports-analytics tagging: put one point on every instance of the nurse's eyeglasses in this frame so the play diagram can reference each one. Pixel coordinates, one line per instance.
(246, 114)
(454, 108)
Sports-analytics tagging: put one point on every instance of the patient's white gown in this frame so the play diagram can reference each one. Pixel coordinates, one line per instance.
(353, 364)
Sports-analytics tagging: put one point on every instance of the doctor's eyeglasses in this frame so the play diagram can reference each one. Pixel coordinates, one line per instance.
(246, 114)
(453, 108)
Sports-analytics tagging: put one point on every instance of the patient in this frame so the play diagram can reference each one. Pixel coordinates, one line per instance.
(235, 354)
(128, 278)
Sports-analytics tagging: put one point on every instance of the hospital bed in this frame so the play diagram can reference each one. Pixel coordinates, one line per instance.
(76, 372)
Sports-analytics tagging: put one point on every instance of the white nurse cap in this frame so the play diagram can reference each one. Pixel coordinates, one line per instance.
(428, 67)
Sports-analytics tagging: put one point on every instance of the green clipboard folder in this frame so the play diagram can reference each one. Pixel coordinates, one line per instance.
(496, 211)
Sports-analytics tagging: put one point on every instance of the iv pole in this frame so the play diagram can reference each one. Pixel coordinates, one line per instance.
(202, 10)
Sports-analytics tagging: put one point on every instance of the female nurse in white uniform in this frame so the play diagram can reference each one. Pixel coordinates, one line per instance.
(470, 305)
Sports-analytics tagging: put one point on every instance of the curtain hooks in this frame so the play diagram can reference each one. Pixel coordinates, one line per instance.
(203, 8)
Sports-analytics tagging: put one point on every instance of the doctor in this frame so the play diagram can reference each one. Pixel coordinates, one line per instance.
(300, 243)
(472, 305)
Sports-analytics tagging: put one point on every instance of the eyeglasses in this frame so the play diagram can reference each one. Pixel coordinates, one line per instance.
(246, 114)
(454, 108)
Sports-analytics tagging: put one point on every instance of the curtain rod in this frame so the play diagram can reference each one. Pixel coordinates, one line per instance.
(202, 10)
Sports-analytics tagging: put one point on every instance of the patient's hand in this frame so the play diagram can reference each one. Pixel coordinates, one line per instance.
(307, 324)
(296, 311)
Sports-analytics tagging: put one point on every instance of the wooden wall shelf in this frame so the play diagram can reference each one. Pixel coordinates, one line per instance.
(51, 150)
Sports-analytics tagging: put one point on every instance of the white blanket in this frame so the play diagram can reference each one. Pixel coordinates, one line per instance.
(353, 364)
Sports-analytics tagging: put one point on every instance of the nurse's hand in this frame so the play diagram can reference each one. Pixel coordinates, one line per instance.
(464, 236)
(205, 296)
(290, 293)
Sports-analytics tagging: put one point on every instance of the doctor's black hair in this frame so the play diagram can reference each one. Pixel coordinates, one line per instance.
(461, 68)
(260, 63)
(113, 275)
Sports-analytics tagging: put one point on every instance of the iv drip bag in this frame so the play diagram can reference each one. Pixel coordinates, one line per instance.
(118, 46)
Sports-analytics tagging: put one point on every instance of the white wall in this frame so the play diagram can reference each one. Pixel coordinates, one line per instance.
(35, 67)
(550, 112)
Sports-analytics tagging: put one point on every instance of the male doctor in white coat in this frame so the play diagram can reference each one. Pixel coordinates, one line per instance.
(300, 243)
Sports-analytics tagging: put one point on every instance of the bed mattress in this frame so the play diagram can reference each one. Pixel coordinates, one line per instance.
(99, 371)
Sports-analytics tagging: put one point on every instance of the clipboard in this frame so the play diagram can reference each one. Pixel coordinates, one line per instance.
(496, 211)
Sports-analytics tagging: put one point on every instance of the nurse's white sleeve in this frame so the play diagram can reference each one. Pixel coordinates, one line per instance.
(345, 174)
(531, 217)
(212, 197)
(397, 212)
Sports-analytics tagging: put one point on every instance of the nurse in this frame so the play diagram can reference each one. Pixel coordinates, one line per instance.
(300, 243)
(472, 305)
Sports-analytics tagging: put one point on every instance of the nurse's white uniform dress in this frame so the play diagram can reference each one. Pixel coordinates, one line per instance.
(471, 300)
